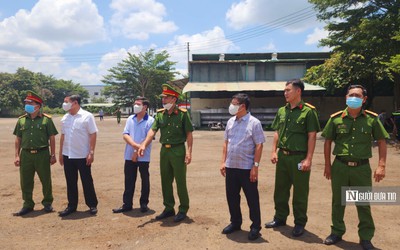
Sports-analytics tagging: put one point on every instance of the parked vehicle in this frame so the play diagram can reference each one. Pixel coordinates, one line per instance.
(216, 125)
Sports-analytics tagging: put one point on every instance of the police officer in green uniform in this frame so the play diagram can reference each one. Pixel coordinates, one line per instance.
(34, 132)
(353, 130)
(296, 125)
(396, 124)
(176, 128)
(118, 112)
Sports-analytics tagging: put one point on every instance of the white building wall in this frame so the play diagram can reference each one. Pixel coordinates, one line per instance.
(96, 91)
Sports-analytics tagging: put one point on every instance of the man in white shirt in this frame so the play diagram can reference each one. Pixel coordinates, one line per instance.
(77, 145)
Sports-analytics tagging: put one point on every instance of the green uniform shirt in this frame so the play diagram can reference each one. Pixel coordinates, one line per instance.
(35, 133)
(293, 126)
(353, 136)
(173, 127)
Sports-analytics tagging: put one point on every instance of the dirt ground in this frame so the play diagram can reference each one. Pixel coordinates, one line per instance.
(207, 216)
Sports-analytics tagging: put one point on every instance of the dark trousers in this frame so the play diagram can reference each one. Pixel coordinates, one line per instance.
(235, 180)
(71, 168)
(130, 171)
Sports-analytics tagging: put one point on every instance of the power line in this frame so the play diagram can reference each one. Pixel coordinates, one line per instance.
(247, 34)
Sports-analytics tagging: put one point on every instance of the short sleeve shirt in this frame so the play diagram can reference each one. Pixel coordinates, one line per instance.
(293, 126)
(138, 132)
(35, 133)
(242, 135)
(353, 136)
(174, 126)
(76, 130)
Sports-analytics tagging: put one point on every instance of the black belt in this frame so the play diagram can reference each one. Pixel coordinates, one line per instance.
(352, 163)
(288, 152)
(172, 145)
(35, 151)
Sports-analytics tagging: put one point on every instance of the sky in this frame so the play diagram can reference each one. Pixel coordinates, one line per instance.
(80, 40)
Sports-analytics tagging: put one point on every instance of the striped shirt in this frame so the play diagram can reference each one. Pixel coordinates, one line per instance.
(242, 135)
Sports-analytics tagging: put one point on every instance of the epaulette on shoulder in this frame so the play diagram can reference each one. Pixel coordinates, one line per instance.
(183, 110)
(337, 113)
(309, 105)
(371, 113)
(22, 116)
(160, 110)
(47, 115)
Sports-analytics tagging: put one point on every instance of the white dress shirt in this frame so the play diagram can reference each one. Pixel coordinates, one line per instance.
(76, 130)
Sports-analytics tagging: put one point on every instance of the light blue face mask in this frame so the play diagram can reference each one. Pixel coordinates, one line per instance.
(29, 108)
(354, 102)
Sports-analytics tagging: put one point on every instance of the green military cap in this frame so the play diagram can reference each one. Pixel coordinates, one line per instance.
(32, 96)
(168, 90)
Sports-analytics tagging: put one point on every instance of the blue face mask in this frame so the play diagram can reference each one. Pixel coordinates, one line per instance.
(29, 108)
(354, 102)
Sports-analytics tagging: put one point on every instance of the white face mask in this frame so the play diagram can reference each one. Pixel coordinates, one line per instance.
(137, 108)
(66, 106)
(233, 109)
(167, 106)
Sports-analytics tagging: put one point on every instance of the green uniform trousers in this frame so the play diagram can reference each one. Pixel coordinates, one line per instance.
(39, 163)
(343, 175)
(172, 165)
(286, 175)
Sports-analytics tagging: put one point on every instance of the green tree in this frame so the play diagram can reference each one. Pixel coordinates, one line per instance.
(8, 95)
(98, 100)
(361, 34)
(13, 88)
(141, 75)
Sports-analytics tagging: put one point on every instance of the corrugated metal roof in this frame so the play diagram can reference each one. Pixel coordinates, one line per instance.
(243, 86)
(305, 56)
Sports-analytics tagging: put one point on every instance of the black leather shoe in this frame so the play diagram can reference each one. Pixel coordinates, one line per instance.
(254, 234)
(93, 210)
(332, 239)
(366, 244)
(298, 230)
(165, 214)
(66, 212)
(180, 216)
(230, 229)
(121, 209)
(48, 208)
(144, 208)
(23, 211)
(275, 223)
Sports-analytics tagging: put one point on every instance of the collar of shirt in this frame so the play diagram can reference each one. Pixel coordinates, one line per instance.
(300, 105)
(145, 117)
(175, 111)
(80, 111)
(243, 118)
(39, 115)
(346, 113)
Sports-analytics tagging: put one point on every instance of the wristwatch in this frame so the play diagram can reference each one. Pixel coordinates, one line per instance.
(91, 152)
(256, 164)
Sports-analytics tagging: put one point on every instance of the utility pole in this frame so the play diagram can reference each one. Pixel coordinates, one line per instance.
(188, 52)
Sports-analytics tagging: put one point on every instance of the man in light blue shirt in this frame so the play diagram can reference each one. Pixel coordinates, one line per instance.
(241, 154)
(135, 132)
